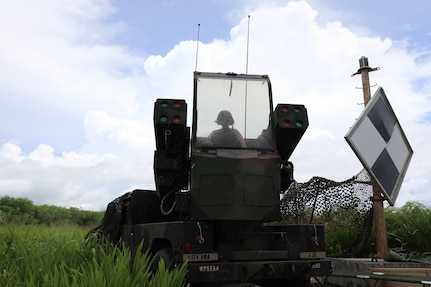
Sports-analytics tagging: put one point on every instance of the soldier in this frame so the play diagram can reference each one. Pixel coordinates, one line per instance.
(226, 136)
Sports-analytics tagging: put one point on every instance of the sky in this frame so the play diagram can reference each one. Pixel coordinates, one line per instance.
(78, 81)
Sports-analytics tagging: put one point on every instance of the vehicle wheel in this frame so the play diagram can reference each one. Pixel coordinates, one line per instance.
(166, 254)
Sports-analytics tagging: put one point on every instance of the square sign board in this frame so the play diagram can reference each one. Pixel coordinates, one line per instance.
(381, 145)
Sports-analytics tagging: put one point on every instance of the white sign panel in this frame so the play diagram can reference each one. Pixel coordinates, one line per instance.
(381, 145)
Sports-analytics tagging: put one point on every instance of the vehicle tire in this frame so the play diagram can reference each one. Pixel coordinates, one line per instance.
(166, 254)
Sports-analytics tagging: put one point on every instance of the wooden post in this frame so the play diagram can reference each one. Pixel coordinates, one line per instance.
(377, 198)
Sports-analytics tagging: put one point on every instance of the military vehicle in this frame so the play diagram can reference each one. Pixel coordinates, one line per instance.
(217, 200)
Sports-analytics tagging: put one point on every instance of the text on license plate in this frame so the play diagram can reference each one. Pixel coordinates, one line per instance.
(201, 257)
(209, 268)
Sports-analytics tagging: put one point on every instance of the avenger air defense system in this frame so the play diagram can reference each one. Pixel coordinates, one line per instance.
(217, 200)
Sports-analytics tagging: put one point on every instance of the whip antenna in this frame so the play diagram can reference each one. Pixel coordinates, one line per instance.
(197, 49)
(248, 39)
(246, 83)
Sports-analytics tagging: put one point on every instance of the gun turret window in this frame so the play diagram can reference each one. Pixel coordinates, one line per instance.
(232, 112)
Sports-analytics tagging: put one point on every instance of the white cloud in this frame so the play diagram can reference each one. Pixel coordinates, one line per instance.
(60, 65)
(11, 152)
(100, 127)
(72, 179)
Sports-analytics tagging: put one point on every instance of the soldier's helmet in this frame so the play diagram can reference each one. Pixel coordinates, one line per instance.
(224, 117)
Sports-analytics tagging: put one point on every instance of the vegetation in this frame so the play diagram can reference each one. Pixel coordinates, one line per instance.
(23, 211)
(49, 246)
(44, 256)
(342, 227)
(409, 227)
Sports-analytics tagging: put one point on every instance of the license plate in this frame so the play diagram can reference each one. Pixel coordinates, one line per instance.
(200, 257)
(209, 268)
(312, 255)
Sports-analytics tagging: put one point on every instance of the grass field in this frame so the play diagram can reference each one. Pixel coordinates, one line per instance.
(63, 256)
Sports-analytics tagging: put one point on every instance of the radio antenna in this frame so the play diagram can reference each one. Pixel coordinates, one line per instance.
(197, 49)
(246, 82)
(248, 37)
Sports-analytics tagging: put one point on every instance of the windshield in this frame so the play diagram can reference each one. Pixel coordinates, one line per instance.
(232, 111)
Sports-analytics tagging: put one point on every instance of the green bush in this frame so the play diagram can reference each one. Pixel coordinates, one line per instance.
(23, 211)
(38, 256)
(342, 227)
(409, 227)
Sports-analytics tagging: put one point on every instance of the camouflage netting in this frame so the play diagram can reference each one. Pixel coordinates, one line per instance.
(321, 200)
(111, 224)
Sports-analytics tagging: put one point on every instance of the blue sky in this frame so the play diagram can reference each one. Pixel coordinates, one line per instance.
(78, 79)
(400, 20)
(154, 27)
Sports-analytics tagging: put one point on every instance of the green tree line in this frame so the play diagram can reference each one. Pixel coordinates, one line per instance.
(24, 212)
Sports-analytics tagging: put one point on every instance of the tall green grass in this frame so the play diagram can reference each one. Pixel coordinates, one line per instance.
(409, 227)
(42, 257)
